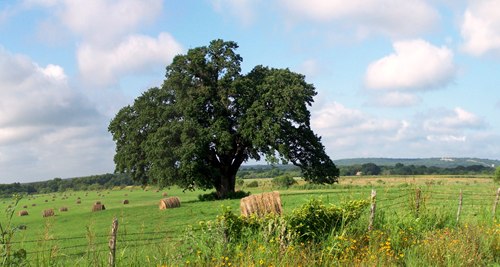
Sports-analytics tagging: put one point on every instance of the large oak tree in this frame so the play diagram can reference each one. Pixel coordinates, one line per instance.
(207, 118)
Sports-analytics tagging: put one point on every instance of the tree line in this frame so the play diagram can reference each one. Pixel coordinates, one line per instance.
(401, 169)
(93, 182)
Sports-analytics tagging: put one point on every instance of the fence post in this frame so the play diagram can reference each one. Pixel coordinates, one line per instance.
(496, 202)
(417, 201)
(460, 197)
(372, 209)
(112, 242)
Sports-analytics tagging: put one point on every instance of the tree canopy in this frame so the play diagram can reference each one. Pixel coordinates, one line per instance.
(208, 118)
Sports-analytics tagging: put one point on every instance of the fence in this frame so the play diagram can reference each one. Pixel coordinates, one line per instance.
(400, 201)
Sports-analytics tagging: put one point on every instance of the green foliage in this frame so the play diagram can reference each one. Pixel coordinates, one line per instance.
(240, 182)
(208, 118)
(315, 220)
(214, 196)
(7, 231)
(253, 184)
(284, 181)
(496, 177)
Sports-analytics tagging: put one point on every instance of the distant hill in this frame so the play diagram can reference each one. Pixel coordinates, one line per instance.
(429, 162)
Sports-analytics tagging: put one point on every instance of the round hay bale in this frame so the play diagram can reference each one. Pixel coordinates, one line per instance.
(46, 200)
(23, 213)
(78, 202)
(22, 227)
(25, 206)
(34, 204)
(98, 207)
(48, 213)
(125, 202)
(63, 209)
(164, 194)
(97, 203)
(168, 203)
(261, 204)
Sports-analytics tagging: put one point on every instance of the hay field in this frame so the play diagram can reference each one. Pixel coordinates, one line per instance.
(146, 232)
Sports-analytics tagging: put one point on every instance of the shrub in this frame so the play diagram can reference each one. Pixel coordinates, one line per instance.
(253, 184)
(314, 220)
(496, 178)
(239, 182)
(213, 196)
(284, 181)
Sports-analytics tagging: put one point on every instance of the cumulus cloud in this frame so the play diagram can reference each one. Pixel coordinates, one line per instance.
(348, 132)
(101, 22)
(37, 109)
(136, 54)
(242, 9)
(480, 27)
(108, 48)
(415, 64)
(388, 17)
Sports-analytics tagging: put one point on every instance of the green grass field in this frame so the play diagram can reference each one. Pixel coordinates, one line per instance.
(148, 236)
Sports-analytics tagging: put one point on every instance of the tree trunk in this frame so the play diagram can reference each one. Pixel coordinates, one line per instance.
(226, 186)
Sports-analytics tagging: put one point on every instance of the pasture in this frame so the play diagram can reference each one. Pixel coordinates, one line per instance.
(148, 236)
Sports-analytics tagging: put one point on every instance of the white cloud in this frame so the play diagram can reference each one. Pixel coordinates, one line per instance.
(134, 55)
(311, 68)
(480, 27)
(348, 132)
(394, 18)
(37, 110)
(102, 23)
(242, 9)
(452, 121)
(415, 64)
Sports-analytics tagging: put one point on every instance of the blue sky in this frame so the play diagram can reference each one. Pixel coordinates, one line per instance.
(394, 78)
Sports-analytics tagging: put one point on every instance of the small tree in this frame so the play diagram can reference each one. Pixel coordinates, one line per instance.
(496, 177)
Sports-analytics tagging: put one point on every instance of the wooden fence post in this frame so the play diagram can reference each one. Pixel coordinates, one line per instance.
(417, 201)
(112, 242)
(372, 209)
(460, 197)
(496, 202)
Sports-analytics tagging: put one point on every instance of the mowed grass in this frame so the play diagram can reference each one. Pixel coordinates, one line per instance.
(145, 232)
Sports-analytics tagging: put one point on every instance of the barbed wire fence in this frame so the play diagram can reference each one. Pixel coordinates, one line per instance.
(400, 201)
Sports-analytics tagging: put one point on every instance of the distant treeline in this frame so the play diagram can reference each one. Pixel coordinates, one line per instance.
(94, 182)
(401, 169)
(108, 181)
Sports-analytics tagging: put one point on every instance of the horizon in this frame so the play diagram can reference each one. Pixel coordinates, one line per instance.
(412, 81)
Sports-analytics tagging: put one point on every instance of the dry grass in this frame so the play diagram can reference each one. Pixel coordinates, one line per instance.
(23, 213)
(261, 204)
(168, 203)
(48, 213)
(98, 207)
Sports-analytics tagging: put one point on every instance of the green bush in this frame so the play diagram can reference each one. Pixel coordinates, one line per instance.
(240, 182)
(253, 184)
(284, 181)
(213, 196)
(496, 178)
(313, 221)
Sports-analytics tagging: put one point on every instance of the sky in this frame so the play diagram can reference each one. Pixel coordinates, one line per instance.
(398, 79)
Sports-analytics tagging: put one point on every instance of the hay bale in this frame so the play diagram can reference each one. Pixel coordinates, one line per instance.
(48, 213)
(63, 209)
(25, 206)
(261, 204)
(125, 201)
(22, 227)
(98, 207)
(34, 204)
(171, 202)
(78, 202)
(46, 200)
(23, 213)
(164, 194)
(97, 203)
